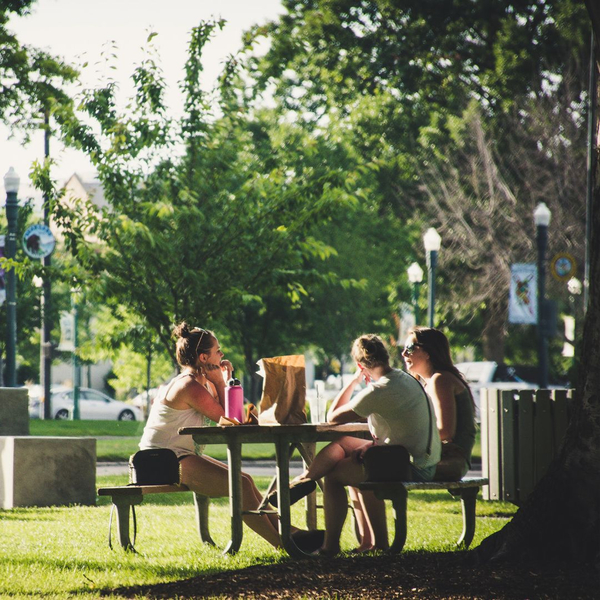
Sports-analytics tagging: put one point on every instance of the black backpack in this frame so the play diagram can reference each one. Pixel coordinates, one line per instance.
(155, 466)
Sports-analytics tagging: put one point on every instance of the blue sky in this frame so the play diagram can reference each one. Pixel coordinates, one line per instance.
(86, 31)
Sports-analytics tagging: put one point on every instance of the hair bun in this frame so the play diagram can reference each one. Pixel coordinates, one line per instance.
(182, 330)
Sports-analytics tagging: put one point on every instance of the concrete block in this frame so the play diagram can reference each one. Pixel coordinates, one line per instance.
(14, 411)
(47, 471)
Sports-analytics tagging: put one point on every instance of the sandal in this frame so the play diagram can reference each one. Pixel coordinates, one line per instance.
(298, 490)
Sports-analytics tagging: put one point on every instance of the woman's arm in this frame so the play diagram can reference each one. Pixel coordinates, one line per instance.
(214, 375)
(441, 390)
(343, 414)
(340, 410)
(200, 399)
(345, 395)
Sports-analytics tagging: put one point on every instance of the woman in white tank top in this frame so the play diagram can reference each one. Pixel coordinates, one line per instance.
(195, 397)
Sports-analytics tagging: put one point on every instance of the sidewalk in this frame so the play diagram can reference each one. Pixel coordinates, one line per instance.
(260, 468)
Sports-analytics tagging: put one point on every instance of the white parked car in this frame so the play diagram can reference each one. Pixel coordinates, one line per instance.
(93, 405)
(141, 400)
(36, 407)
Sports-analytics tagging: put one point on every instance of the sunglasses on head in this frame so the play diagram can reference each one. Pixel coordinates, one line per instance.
(202, 332)
(410, 348)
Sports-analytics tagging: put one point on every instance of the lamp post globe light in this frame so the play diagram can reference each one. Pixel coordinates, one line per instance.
(415, 276)
(574, 286)
(11, 185)
(432, 242)
(541, 217)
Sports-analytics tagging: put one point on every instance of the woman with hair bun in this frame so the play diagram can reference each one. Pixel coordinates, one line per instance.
(194, 398)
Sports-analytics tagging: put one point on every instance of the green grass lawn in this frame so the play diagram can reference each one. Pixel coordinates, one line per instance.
(60, 552)
(118, 440)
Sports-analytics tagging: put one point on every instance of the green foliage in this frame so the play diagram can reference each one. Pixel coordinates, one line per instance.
(190, 240)
(433, 55)
(233, 235)
(400, 76)
(257, 222)
(32, 80)
(139, 361)
(373, 253)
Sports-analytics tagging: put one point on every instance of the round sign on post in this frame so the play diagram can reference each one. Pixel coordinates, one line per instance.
(38, 241)
(563, 266)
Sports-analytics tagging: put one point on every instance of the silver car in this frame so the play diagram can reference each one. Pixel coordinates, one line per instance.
(93, 405)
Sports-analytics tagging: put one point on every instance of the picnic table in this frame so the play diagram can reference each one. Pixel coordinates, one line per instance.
(285, 438)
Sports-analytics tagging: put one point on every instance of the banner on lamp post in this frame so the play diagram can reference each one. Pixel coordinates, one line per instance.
(522, 298)
(2, 282)
(67, 332)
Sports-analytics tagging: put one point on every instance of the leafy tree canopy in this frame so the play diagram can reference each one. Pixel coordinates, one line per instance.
(433, 55)
(407, 79)
(201, 236)
(31, 81)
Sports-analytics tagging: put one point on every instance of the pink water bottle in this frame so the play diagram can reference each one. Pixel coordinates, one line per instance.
(234, 400)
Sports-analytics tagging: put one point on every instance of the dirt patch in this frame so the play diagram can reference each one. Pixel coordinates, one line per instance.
(410, 575)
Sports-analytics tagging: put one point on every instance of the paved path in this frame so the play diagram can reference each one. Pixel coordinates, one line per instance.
(264, 468)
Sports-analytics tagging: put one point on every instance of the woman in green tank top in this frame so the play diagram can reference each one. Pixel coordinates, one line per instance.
(427, 356)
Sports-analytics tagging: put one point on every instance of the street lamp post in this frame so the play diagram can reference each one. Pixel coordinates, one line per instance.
(46, 357)
(415, 276)
(541, 218)
(575, 288)
(38, 282)
(432, 242)
(76, 366)
(11, 185)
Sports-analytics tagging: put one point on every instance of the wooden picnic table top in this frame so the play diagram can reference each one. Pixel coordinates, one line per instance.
(256, 434)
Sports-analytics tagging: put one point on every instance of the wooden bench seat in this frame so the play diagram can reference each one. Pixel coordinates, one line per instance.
(466, 489)
(125, 497)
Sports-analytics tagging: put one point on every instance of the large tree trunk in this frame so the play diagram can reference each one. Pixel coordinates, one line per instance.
(560, 521)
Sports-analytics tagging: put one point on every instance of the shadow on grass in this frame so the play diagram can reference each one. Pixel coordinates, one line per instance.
(435, 575)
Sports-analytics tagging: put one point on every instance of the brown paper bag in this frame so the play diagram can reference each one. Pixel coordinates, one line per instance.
(284, 391)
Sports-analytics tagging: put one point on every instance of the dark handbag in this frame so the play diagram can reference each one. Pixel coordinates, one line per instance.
(453, 465)
(155, 466)
(387, 463)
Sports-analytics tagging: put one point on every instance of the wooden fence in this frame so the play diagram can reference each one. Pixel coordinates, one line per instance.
(521, 431)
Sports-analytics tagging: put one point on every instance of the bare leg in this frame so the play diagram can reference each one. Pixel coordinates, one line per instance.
(207, 476)
(347, 472)
(363, 527)
(327, 459)
(336, 508)
(374, 511)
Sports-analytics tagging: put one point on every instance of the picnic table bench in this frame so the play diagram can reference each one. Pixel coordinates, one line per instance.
(125, 497)
(397, 491)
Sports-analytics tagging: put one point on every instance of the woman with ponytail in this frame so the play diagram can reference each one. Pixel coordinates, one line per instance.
(194, 398)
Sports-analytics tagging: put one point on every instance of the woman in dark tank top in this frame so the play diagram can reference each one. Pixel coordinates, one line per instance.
(427, 356)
